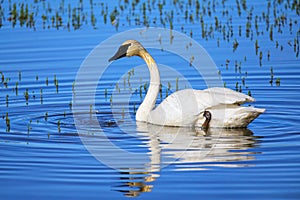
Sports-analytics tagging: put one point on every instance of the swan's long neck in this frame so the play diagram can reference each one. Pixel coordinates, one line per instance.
(150, 98)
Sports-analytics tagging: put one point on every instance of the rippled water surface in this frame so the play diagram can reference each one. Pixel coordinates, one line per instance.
(45, 154)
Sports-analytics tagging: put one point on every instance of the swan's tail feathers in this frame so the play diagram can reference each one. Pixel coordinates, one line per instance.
(244, 116)
(233, 116)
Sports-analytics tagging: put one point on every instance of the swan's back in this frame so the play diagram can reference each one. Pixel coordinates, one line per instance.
(228, 96)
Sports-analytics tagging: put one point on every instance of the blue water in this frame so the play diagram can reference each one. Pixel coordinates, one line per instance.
(44, 155)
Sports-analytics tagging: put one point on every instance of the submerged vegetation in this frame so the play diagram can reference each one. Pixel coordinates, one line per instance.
(29, 98)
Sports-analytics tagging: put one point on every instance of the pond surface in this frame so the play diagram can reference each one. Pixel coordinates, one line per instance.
(44, 155)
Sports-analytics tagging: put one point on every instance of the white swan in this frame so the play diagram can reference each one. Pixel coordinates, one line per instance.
(187, 107)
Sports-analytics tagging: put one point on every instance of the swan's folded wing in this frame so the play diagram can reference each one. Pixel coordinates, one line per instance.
(182, 108)
(228, 96)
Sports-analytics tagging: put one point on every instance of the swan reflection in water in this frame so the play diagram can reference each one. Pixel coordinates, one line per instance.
(186, 149)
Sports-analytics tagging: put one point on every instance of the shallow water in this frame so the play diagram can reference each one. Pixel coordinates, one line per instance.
(44, 154)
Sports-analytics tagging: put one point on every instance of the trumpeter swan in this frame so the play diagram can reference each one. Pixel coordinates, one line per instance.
(213, 107)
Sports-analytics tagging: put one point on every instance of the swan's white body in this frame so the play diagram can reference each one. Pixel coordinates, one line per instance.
(186, 107)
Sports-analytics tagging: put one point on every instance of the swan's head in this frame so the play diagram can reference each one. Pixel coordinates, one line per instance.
(204, 119)
(207, 115)
(128, 48)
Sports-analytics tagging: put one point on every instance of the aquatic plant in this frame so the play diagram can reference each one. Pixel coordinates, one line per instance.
(70, 105)
(7, 121)
(277, 81)
(272, 75)
(17, 88)
(29, 128)
(26, 95)
(105, 93)
(58, 126)
(2, 77)
(46, 116)
(55, 83)
(235, 45)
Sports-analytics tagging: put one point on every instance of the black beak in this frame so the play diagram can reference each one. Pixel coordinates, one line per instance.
(120, 53)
